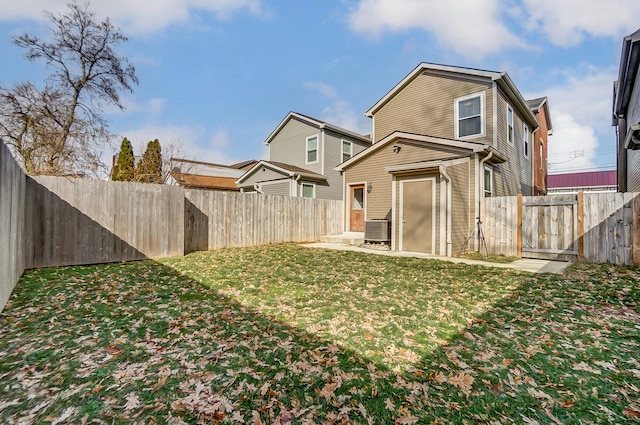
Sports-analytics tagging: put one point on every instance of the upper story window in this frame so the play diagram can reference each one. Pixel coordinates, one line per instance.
(510, 125)
(470, 117)
(312, 149)
(525, 140)
(347, 150)
(541, 157)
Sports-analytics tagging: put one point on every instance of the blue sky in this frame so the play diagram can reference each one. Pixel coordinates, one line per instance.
(217, 76)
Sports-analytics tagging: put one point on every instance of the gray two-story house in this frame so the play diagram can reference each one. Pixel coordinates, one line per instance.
(303, 153)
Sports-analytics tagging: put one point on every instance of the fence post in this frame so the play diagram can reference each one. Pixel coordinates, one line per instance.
(581, 226)
(519, 226)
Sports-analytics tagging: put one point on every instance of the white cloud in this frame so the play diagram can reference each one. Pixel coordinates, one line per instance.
(324, 89)
(472, 28)
(188, 139)
(572, 147)
(566, 22)
(581, 116)
(152, 106)
(341, 114)
(139, 16)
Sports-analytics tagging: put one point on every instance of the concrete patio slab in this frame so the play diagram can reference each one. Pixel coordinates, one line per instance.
(525, 264)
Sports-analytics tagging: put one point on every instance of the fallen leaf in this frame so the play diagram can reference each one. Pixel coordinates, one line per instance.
(631, 412)
(406, 420)
(133, 401)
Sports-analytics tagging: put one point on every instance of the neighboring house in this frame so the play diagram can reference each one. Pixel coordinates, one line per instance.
(204, 175)
(444, 138)
(626, 115)
(540, 108)
(303, 152)
(594, 181)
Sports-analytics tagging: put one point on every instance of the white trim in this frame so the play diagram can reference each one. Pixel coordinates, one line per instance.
(513, 127)
(306, 150)
(494, 91)
(490, 170)
(322, 138)
(373, 129)
(394, 215)
(433, 211)
(526, 142)
(443, 217)
(347, 197)
(431, 67)
(477, 199)
(461, 144)
(313, 186)
(314, 122)
(483, 115)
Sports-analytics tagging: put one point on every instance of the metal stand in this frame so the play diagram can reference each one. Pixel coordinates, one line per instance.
(483, 243)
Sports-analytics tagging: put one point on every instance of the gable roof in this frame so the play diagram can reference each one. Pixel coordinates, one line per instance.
(195, 181)
(315, 123)
(627, 75)
(541, 103)
(502, 79)
(287, 170)
(451, 143)
(188, 166)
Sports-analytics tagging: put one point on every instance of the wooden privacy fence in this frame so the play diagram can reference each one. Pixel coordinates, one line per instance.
(12, 199)
(596, 227)
(216, 219)
(81, 221)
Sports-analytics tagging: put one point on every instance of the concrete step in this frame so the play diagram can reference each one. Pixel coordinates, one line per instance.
(349, 238)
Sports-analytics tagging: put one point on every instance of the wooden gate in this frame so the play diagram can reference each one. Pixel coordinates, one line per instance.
(550, 227)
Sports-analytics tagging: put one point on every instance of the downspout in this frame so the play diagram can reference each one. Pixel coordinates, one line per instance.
(534, 170)
(443, 173)
(481, 180)
(297, 180)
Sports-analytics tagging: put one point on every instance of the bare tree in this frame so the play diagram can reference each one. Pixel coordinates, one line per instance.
(58, 130)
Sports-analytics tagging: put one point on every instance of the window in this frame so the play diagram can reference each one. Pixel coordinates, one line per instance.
(541, 157)
(470, 116)
(312, 149)
(308, 190)
(488, 182)
(510, 125)
(347, 150)
(525, 140)
(358, 199)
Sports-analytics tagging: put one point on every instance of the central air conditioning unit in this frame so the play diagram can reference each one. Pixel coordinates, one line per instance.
(376, 230)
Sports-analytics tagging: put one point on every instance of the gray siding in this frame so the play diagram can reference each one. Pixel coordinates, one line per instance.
(513, 176)
(462, 203)
(276, 188)
(289, 145)
(263, 174)
(633, 157)
(633, 171)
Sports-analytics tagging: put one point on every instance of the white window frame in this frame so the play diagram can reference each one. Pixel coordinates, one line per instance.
(511, 131)
(483, 115)
(484, 189)
(525, 141)
(313, 186)
(306, 151)
(350, 153)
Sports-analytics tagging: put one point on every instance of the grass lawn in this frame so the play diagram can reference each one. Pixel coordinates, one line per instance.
(289, 335)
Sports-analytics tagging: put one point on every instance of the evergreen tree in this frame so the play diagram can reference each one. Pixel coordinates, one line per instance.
(124, 169)
(149, 168)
